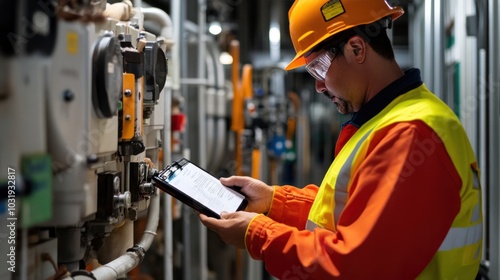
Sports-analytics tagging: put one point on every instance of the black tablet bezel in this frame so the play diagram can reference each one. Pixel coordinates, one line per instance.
(184, 198)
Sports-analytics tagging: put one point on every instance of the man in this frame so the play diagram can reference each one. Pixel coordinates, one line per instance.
(402, 198)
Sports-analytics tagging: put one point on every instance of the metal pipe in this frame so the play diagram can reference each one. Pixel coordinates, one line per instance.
(202, 7)
(202, 10)
(275, 30)
(237, 121)
(493, 179)
(123, 264)
(176, 8)
(137, 3)
(428, 57)
(220, 144)
(438, 47)
(211, 136)
(152, 222)
(162, 18)
(167, 31)
(220, 108)
(167, 210)
(196, 82)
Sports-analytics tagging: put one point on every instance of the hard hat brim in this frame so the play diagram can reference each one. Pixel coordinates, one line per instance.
(299, 59)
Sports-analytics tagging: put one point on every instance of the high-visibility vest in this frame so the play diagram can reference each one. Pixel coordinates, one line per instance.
(460, 252)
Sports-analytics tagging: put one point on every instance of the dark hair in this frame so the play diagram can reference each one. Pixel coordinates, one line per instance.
(374, 34)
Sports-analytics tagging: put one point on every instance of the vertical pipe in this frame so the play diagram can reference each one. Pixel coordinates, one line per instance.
(167, 207)
(202, 9)
(483, 134)
(176, 8)
(469, 73)
(202, 27)
(428, 47)
(220, 107)
(475, 113)
(175, 73)
(482, 117)
(492, 10)
(275, 30)
(237, 121)
(438, 57)
(411, 34)
(210, 105)
(137, 3)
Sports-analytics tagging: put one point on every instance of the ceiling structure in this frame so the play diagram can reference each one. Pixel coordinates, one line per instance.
(250, 21)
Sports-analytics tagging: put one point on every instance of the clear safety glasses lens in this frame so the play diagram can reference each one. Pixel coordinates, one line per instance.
(320, 65)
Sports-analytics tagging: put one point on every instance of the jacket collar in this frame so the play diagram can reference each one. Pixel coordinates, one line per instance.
(408, 82)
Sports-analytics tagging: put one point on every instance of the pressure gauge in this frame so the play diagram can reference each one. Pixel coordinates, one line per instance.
(155, 66)
(107, 76)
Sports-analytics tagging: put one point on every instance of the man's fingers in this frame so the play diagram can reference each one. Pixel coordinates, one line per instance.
(209, 222)
(226, 215)
(213, 223)
(234, 181)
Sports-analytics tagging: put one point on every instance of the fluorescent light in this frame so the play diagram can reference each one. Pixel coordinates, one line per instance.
(225, 58)
(215, 28)
(274, 35)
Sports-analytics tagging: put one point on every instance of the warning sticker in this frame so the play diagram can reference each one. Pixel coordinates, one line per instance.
(332, 9)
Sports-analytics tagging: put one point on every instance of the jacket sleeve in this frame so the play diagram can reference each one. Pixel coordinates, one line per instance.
(291, 205)
(403, 199)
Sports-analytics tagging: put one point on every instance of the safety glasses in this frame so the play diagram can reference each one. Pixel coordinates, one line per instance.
(320, 65)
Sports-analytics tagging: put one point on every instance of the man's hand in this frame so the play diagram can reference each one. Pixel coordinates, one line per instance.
(258, 193)
(231, 227)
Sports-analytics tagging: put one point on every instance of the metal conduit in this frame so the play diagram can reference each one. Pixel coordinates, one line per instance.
(210, 105)
(492, 10)
(123, 264)
(167, 32)
(220, 109)
(202, 10)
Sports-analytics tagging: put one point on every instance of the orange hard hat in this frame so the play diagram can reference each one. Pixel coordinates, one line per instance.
(313, 21)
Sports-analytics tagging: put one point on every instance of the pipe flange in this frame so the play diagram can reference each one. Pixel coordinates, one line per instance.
(139, 251)
(82, 274)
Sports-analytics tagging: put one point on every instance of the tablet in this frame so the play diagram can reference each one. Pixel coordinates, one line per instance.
(198, 189)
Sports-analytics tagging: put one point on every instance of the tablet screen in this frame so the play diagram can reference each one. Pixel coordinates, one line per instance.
(206, 189)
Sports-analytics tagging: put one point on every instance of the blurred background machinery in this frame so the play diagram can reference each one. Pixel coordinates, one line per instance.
(83, 104)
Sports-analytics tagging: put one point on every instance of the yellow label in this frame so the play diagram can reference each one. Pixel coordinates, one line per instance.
(72, 43)
(129, 112)
(332, 9)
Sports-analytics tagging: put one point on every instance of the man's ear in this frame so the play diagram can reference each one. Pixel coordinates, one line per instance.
(357, 46)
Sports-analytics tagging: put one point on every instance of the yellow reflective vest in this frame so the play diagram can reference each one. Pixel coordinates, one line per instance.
(459, 255)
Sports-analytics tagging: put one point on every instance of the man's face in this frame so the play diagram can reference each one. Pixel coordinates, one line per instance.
(343, 82)
(333, 86)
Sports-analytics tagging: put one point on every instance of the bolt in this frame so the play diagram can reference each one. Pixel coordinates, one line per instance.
(68, 95)
(133, 214)
(92, 159)
(123, 200)
(127, 93)
(141, 171)
(147, 188)
(41, 23)
(127, 117)
(116, 183)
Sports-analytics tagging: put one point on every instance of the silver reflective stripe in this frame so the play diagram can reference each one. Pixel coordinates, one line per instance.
(462, 236)
(343, 180)
(310, 225)
(476, 214)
